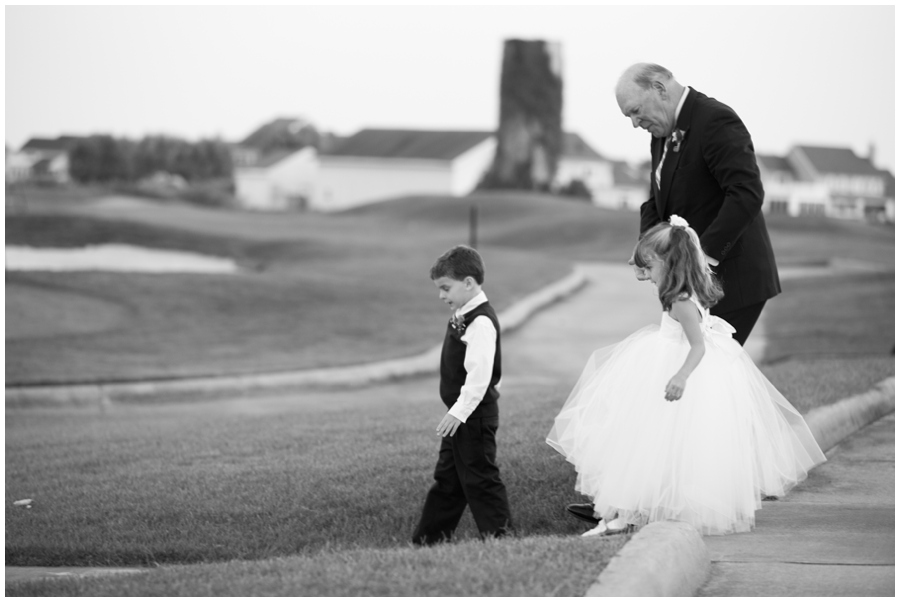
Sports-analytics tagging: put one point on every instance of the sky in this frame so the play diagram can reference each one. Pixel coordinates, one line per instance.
(809, 74)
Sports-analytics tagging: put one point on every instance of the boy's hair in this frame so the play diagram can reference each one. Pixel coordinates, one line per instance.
(458, 263)
(685, 271)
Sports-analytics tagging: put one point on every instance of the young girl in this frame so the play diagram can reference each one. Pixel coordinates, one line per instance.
(676, 422)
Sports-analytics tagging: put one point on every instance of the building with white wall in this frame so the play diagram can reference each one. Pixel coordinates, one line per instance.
(280, 181)
(856, 188)
(41, 160)
(377, 164)
(630, 187)
(579, 161)
(831, 181)
(786, 193)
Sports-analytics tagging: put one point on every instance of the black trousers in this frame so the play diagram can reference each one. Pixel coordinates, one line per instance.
(743, 319)
(466, 474)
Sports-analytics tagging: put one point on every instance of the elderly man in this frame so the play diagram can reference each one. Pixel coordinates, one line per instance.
(703, 169)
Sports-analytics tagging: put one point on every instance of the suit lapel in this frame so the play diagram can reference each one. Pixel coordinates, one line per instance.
(673, 157)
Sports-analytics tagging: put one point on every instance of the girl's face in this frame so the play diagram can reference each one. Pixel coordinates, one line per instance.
(655, 270)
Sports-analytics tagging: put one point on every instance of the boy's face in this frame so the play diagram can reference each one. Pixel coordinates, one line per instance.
(456, 293)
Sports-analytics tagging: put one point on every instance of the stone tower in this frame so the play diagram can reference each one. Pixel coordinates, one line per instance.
(529, 136)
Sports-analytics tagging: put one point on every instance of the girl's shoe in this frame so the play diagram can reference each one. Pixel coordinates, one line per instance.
(600, 529)
(616, 526)
(612, 527)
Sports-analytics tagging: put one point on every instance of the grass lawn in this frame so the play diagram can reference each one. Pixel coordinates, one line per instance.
(324, 479)
(538, 566)
(322, 291)
(318, 290)
(317, 492)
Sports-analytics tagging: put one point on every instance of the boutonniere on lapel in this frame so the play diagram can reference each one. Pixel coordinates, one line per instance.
(677, 139)
(458, 324)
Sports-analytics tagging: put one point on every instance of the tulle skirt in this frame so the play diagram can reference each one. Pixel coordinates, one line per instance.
(706, 459)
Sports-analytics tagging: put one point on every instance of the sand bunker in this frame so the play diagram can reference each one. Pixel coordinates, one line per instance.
(115, 258)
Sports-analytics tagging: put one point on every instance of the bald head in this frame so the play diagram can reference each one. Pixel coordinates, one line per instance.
(644, 75)
(648, 94)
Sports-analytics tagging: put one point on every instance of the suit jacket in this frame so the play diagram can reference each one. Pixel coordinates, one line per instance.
(712, 180)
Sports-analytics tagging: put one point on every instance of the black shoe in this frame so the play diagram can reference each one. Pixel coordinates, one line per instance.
(583, 512)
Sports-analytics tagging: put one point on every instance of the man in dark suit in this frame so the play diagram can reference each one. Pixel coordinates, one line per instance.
(703, 169)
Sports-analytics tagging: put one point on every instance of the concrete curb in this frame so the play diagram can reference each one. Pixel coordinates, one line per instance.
(424, 363)
(666, 558)
(832, 423)
(670, 558)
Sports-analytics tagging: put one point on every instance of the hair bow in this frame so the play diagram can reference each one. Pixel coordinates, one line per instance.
(677, 221)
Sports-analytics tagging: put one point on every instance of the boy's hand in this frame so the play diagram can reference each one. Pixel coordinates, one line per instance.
(675, 388)
(448, 425)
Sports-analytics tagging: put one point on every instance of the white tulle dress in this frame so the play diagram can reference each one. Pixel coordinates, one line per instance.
(707, 458)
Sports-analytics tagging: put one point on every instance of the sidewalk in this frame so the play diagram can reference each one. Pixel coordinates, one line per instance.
(833, 535)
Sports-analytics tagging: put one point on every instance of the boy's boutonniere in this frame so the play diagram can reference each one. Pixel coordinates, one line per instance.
(677, 138)
(458, 324)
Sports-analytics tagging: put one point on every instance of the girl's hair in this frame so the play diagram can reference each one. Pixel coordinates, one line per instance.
(685, 271)
(458, 263)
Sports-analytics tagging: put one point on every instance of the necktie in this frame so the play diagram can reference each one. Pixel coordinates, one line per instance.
(661, 159)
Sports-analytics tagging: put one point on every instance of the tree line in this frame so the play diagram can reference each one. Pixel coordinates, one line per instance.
(106, 159)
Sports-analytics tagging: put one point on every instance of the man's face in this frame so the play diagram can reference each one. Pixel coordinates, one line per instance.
(647, 109)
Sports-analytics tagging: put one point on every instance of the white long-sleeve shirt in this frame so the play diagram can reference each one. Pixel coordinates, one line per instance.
(481, 343)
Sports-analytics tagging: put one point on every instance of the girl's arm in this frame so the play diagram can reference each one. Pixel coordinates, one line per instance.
(687, 315)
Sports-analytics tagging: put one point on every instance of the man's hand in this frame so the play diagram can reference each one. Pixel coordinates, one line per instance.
(448, 425)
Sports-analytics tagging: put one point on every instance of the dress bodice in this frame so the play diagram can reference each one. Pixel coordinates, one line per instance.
(709, 324)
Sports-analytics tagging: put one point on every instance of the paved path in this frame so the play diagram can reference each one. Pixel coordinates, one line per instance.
(833, 535)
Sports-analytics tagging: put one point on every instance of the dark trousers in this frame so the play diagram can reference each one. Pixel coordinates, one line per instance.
(743, 319)
(466, 474)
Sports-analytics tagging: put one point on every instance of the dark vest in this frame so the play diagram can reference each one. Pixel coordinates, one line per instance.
(453, 371)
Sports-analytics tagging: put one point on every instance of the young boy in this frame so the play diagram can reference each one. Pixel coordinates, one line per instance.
(466, 471)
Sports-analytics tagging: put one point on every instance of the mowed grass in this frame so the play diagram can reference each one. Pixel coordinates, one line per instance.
(319, 290)
(316, 290)
(297, 485)
(540, 566)
(254, 477)
(845, 316)
(317, 492)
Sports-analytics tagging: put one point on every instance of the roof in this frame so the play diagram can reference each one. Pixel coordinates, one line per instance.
(837, 160)
(576, 148)
(284, 132)
(62, 143)
(436, 144)
(271, 158)
(774, 163)
(409, 144)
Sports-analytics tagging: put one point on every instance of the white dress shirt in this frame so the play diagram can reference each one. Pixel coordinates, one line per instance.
(681, 100)
(481, 340)
(684, 94)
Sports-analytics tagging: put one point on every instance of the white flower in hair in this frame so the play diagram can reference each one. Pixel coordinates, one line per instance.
(678, 222)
